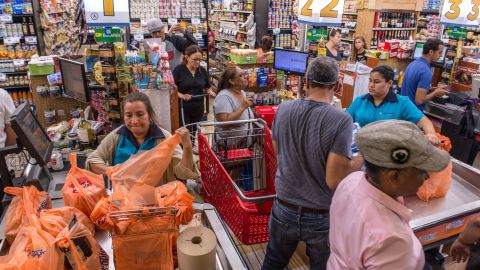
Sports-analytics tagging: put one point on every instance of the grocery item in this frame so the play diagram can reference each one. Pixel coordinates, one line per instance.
(176, 194)
(27, 201)
(55, 220)
(82, 189)
(438, 184)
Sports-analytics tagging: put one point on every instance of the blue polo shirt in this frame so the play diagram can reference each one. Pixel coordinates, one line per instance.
(364, 111)
(127, 145)
(417, 75)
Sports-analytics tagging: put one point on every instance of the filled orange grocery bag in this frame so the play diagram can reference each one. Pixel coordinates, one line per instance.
(82, 189)
(438, 184)
(33, 248)
(55, 220)
(79, 246)
(176, 194)
(99, 215)
(27, 200)
(146, 168)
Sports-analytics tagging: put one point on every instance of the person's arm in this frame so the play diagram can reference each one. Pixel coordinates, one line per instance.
(422, 95)
(429, 130)
(181, 43)
(182, 161)
(99, 160)
(11, 136)
(394, 252)
(460, 249)
(339, 164)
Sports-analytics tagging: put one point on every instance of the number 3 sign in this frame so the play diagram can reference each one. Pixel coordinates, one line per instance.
(461, 12)
(321, 12)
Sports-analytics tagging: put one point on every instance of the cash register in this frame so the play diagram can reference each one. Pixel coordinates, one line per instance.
(31, 138)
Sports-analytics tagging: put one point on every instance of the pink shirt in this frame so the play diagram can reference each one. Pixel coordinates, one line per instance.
(370, 230)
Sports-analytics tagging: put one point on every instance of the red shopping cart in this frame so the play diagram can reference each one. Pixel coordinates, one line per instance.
(238, 167)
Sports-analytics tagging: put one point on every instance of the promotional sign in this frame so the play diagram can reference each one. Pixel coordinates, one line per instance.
(320, 12)
(108, 13)
(461, 12)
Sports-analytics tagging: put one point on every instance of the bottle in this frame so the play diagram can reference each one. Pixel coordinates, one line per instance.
(85, 132)
(31, 26)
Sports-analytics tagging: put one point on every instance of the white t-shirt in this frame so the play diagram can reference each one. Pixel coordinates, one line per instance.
(6, 109)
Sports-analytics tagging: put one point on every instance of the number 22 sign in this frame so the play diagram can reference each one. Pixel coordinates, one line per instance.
(461, 12)
(321, 12)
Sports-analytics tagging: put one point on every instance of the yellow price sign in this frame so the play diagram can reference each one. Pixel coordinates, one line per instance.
(461, 12)
(320, 12)
(108, 8)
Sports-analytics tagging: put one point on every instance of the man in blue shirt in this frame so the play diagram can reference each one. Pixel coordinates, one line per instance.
(418, 75)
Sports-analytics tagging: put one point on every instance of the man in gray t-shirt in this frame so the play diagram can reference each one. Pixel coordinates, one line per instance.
(313, 144)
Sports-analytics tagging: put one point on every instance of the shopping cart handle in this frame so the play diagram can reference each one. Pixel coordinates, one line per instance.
(236, 122)
(259, 199)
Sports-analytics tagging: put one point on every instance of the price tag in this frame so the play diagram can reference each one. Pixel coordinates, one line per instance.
(3, 77)
(6, 18)
(461, 12)
(19, 62)
(172, 21)
(31, 40)
(198, 36)
(276, 31)
(11, 40)
(138, 37)
(196, 21)
(320, 12)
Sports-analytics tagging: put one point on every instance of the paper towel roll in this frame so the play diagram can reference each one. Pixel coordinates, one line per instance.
(196, 249)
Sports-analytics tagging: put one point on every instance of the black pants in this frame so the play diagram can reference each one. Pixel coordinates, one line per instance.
(192, 113)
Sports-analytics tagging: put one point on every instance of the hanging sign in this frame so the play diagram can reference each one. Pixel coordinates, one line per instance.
(108, 13)
(461, 12)
(320, 12)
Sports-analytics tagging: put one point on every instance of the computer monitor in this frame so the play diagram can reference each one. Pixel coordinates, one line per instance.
(31, 135)
(419, 51)
(74, 79)
(293, 62)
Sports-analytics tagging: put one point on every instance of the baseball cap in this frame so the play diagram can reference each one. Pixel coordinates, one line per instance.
(155, 25)
(397, 144)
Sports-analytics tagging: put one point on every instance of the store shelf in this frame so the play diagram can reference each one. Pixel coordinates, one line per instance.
(15, 73)
(350, 14)
(232, 11)
(391, 29)
(282, 30)
(231, 40)
(430, 11)
(17, 87)
(347, 39)
(226, 20)
(164, 18)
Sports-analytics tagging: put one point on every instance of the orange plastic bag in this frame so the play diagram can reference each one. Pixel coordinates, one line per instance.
(438, 184)
(80, 248)
(99, 215)
(55, 220)
(82, 189)
(33, 248)
(176, 194)
(145, 244)
(146, 168)
(27, 200)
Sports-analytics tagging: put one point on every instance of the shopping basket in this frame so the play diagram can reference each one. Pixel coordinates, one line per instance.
(238, 169)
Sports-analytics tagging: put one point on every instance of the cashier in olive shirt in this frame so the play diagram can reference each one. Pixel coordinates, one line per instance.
(191, 80)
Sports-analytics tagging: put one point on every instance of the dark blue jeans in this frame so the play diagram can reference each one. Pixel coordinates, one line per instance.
(287, 228)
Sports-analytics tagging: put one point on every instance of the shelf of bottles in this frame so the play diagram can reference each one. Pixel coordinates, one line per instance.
(393, 25)
(349, 20)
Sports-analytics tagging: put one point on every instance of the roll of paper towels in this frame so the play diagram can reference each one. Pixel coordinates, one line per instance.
(196, 248)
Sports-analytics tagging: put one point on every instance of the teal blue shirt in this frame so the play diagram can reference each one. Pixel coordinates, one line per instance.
(127, 145)
(364, 111)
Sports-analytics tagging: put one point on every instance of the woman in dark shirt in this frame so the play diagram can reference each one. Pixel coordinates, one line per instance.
(360, 50)
(334, 38)
(191, 80)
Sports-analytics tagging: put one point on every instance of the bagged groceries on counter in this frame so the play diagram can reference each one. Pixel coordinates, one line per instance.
(82, 189)
(33, 248)
(175, 194)
(99, 215)
(146, 168)
(79, 246)
(438, 184)
(55, 220)
(28, 200)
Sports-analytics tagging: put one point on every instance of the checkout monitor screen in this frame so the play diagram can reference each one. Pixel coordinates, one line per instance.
(74, 79)
(31, 135)
(294, 62)
(419, 51)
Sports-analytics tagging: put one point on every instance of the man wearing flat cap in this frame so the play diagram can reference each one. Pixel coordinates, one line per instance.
(175, 44)
(369, 222)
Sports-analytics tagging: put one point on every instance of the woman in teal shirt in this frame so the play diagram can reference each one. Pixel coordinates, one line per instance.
(381, 103)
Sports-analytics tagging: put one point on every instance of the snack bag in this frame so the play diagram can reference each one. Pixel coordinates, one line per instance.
(146, 168)
(27, 200)
(438, 184)
(80, 248)
(82, 189)
(55, 220)
(175, 194)
(33, 248)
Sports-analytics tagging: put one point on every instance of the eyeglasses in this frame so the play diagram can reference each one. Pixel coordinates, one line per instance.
(195, 59)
